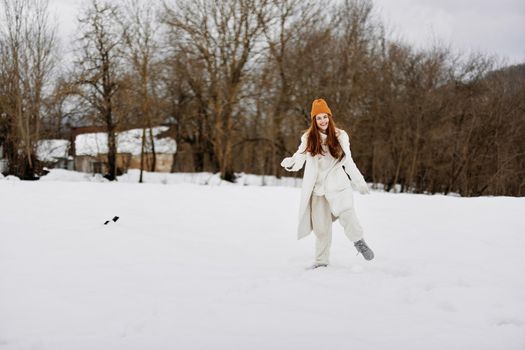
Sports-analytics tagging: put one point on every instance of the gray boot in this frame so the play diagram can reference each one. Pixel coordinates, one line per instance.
(364, 249)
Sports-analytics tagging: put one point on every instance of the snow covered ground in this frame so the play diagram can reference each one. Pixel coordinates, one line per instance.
(218, 267)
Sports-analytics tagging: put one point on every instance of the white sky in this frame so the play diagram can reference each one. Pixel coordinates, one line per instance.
(488, 26)
(491, 27)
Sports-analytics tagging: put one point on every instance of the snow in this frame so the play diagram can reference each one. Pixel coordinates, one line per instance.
(129, 141)
(219, 267)
(206, 178)
(50, 150)
(203, 178)
(10, 178)
(71, 176)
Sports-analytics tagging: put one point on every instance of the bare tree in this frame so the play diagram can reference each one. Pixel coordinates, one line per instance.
(27, 44)
(222, 37)
(289, 20)
(143, 53)
(100, 70)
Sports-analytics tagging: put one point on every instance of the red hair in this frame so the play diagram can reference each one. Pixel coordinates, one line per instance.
(314, 140)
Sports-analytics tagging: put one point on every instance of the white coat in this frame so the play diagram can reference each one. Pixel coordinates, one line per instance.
(338, 187)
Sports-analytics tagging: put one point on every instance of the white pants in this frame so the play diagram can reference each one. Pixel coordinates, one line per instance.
(322, 227)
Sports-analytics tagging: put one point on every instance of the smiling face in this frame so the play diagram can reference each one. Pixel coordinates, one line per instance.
(322, 121)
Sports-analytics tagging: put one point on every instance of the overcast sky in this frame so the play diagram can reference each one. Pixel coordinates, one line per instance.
(492, 27)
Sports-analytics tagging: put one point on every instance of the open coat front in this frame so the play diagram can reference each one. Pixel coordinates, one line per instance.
(338, 187)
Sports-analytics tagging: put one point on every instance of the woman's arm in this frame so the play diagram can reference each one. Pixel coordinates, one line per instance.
(296, 162)
(351, 169)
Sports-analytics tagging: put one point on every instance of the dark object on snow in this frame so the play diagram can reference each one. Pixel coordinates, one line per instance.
(115, 218)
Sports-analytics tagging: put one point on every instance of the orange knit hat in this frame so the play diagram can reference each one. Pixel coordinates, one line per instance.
(320, 106)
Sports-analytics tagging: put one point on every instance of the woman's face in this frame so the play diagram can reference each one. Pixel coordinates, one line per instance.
(322, 121)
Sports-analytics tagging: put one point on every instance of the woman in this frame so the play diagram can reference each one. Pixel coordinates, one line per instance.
(327, 191)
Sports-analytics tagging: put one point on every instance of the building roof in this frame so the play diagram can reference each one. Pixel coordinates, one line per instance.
(51, 150)
(129, 141)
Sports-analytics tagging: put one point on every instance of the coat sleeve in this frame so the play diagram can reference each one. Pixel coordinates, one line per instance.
(349, 164)
(296, 161)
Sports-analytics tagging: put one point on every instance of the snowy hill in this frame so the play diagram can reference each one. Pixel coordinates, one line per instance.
(219, 267)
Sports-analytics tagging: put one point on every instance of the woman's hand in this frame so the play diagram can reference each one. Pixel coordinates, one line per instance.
(296, 162)
(288, 163)
(363, 189)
